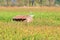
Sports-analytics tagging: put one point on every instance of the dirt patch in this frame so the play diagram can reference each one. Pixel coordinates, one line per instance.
(43, 8)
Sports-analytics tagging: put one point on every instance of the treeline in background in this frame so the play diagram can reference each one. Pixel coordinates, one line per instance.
(29, 2)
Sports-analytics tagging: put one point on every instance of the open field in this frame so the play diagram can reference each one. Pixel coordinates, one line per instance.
(43, 15)
(46, 24)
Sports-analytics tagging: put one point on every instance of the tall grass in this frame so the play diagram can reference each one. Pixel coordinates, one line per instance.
(40, 18)
(46, 25)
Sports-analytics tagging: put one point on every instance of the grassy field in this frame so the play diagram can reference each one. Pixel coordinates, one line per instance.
(46, 24)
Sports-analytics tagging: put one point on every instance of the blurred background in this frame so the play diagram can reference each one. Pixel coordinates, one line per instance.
(29, 2)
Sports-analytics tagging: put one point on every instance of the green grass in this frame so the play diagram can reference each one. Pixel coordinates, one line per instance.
(44, 27)
(40, 18)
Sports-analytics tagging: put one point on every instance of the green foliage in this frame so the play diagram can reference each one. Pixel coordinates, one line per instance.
(58, 2)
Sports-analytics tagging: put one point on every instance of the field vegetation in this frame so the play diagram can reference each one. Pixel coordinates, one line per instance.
(46, 24)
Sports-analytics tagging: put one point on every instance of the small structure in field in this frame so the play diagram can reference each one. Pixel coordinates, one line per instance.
(27, 18)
